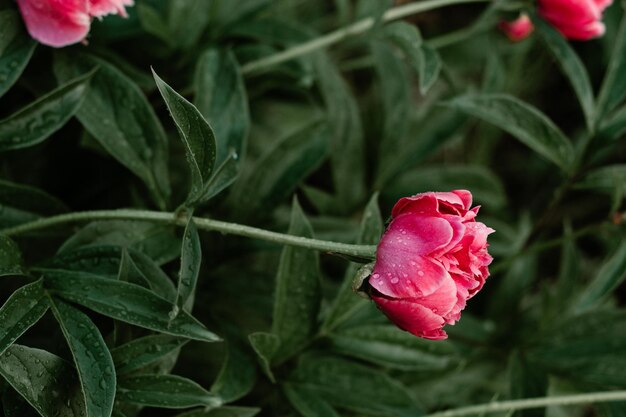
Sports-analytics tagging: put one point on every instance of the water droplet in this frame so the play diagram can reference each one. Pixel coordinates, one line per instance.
(395, 280)
(420, 273)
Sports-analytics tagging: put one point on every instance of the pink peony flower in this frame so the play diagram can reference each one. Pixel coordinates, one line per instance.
(64, 22)
(575, 19)
(430, 261)
(519, 29)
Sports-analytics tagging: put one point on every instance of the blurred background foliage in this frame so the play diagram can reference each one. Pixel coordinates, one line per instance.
(436, 101)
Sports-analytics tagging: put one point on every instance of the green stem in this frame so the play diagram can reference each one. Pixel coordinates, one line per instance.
(364, 251)
(355, 28)
(529, 403)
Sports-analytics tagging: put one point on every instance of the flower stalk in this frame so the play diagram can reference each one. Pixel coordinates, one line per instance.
(361, 251)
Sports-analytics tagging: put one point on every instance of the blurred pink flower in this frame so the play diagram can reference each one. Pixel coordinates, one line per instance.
(430, 261)
(64, 22)
(575, 19)
(519, 29)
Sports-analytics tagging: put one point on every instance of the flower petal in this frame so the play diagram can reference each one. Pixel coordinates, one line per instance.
(56, 22)
(98, 8)
(413, 317)
(414, 279)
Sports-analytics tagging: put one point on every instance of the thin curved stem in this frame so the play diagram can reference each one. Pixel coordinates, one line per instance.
(364, 251)
(529, 403)
(351, 30)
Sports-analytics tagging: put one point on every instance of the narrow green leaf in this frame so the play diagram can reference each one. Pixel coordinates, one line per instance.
(126, 302)
(265, 346)
(606, 179)
(423, 59)
(144, 351)
(280, 170)
(40, 119)
(307, 402)
(118, 115)
(151, 274)
(523, 121)
(190, 261)
(187, 21)
(92, 358)
(526, 381)
(237, 376)
(346, 302)
(16, 48)
(298, 292)
(10, 257)
(347, 141)
(165, 391)
(102, 260)
(21, 203)
(47, 382)
(220, 95)
(613, 88)
(614, 126)
(156, 241)
(197, 137)
(586, 348)
(349, 385)
(223, 177)
(609, 277)
(22, 310)
(571, 66)
(384, 345)
(226, 411)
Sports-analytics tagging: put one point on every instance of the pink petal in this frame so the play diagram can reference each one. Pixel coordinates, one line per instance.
(98, 8)
(412, 317)
(420, 204)
(517, 30)
(413, 279)
(56, 22)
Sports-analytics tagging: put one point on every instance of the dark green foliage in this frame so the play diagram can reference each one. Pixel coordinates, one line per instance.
(160, 316)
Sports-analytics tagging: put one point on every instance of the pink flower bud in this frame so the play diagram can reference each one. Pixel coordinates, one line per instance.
(575, 19)
(430, 261)
(517, 30)
(64, 22)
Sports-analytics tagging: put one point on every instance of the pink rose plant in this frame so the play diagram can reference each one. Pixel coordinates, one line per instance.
(430, 261)
(64, 22)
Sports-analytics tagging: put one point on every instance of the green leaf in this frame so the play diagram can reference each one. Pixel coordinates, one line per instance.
(41, 118)
(347, 141)
(126, 302)
(298, 292)
(187, 21)
(156, 241)
(144, 351)
(118, 115)
(220, 95)
(274, 177)
(21, 203)
(523, 121)
(423, 59)
(571, 66)
(91, 356)
(150, 274)
(613, 88)
(384, 345)
(16, 49)
(307, 402)
(526, 381)
(21, 311)
(237, 376)
(586, 348)
(102, 260)
(346, 302)
(486, 187)
(197, 137)
(349, 385)
(226, 411)
(47, 382)
(223, 177)
(165, 391)
(607, 179)
(265, 345)
(10, 257)
(190, 261)
(609, 277)
(614, 126)
(15, 406)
